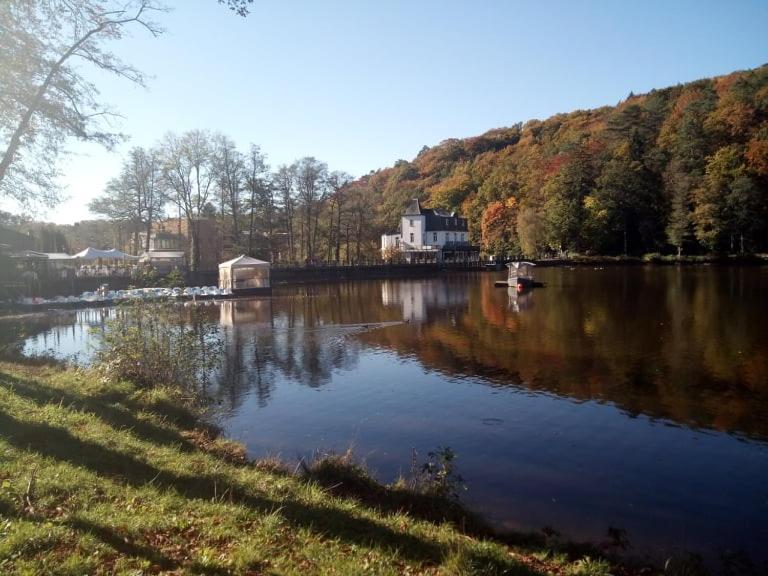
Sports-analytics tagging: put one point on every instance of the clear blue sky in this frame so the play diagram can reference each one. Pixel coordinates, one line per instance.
(360, 84)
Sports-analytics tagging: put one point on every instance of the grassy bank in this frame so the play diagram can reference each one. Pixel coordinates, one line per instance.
(100, 478)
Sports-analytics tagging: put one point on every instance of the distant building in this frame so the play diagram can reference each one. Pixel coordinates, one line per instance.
(170, 245)
(430, 235)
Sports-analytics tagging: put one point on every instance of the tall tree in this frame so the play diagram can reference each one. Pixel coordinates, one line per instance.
(713, 198)
(311, 187)
(564, 195)
(229, 168)
(45, 48)
(256, 179)
(338, 183)
(188, 169)
(498, 230)
(284, 181)
(678, 184)
(136, 197)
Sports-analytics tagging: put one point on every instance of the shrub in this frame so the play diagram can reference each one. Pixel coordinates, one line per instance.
(175, 279)
(589, 567)
(150, 344)
(146, 277)
(437, 476)
(653, 257)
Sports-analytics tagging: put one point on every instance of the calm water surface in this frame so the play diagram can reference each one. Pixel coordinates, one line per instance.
(631, 398)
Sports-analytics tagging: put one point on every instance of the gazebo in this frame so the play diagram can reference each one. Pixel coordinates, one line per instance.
(245, 275)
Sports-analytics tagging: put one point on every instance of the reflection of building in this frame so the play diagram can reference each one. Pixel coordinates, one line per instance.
(170, 244)
(430, 235)
(248, 312)
(418, 297)
(518, 300)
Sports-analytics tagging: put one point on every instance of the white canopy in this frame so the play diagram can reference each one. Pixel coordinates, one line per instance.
(243, 261)
(94, 254)
(244, 274)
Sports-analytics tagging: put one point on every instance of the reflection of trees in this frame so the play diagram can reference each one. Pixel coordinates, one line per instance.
(42, 332)
(301, 334)
(684, 344)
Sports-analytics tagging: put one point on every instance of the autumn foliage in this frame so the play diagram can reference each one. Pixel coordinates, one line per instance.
(682, 169)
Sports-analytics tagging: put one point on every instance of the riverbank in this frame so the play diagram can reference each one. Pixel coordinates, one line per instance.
(101, 478)
(655, 258)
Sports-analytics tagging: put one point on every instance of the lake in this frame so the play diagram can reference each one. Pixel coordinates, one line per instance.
(629, 398)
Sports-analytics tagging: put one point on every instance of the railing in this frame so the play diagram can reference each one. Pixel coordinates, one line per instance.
(105, 272)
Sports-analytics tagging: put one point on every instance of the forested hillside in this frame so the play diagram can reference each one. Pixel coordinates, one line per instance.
(682, 169)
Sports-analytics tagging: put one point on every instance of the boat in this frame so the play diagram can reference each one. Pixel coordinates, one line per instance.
(520, 276)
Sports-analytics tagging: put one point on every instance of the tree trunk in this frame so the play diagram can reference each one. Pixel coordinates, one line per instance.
(625, 235)
(193, 246)
(289, 228)
(149, 233)
(346, 238)
(250, 222)
(338, 228)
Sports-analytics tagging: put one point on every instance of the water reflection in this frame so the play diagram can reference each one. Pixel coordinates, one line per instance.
(680, 344)
(685, 345)
(519, 300)
(420, 300)
(626, 397)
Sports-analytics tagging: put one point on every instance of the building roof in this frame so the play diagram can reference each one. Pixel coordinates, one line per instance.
(243, 261)
(414, 208)
(437, 219)
(160, 254)
(58, 256)
(29, 255)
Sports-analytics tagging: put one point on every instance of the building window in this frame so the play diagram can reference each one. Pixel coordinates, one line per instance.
(411, 223)
(411, 237)
(455, 221)
(463, 236)
(434, 237)
(446, 221)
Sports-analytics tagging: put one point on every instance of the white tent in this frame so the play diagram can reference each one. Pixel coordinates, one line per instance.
(244, 274)
(94, 254)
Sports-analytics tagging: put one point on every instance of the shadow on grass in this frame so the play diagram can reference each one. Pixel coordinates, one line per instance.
(102, 406)
(121, 544)
(58, 443)
(342, 476)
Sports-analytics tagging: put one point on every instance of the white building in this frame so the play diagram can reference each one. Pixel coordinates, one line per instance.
(430, 235)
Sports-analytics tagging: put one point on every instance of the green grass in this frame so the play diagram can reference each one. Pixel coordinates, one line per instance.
(99, 477)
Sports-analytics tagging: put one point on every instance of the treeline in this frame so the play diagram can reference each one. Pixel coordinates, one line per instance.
(302, 212)
(682, 170)
(678, 170)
